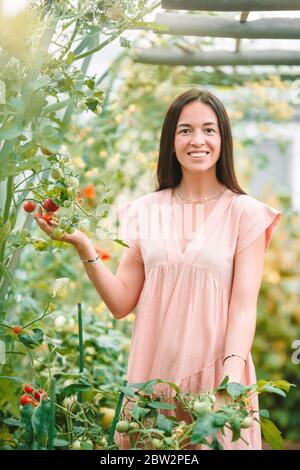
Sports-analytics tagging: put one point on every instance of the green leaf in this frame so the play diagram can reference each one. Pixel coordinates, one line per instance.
(35, 85)
(235, 389)
(138, 412)
(236, 428)
(220, 418)
(204, 427)
(56, 106)
(60, 285)
(283, 385)
(90, 83)
(216, 444)
(70, 58)
(57, 442)
(4, 158)
(32, 340)
(120, 242)
(34, 164)
(14, 379)
(261, 383)
(162, 406)
(165, 424)
(12, 422)
(271, 434)
(7, 274)
(74, 388)
(271, 389)
(264, 414)
(128, 391)
(224, 382)
(11, 132)
(5, 231)
(40, 423)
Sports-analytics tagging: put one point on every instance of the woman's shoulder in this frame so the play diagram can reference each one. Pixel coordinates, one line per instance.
(250, 207)
(245, 202)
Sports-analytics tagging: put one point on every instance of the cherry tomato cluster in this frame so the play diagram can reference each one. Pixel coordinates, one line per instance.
(32, 396)
(48, 205)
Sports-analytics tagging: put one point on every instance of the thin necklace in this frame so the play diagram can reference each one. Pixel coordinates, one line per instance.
(205, 199)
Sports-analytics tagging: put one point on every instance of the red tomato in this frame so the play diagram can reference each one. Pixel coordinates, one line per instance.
(40, 394)
(17, 329)
(29, 206)
(26, 400)
(47, 218)
(50, 205)
(28, 388)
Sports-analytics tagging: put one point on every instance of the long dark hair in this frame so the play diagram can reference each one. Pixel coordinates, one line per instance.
(169, 172)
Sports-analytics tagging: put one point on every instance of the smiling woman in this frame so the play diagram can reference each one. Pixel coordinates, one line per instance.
(196, 313)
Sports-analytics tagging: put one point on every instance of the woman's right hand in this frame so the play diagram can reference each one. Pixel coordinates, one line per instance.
(75, 238)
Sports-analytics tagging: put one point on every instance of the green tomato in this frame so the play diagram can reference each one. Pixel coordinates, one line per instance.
(101, 443)
(134, 425)
(246, 423)
(75, 217)
(69, 229)
(58, 232)
(202, 407)
(122, 426)
(157, 443)
(70, 403)
(76, 445)
(87, 445)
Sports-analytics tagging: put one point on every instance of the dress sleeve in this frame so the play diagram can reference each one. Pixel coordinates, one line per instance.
(129, 232)
(256, 218)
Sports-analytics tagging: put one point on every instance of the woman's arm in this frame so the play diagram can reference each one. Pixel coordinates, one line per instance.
(248, 271)
(120, 292)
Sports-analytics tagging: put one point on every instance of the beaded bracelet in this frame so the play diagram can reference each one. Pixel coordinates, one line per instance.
(93, 262)
(234, 355)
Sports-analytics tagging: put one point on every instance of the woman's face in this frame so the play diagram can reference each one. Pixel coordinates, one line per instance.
(197, 138)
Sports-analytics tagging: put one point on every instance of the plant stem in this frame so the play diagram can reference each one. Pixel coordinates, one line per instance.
(9, 196)
(52, 415)
(39, 318)
(116, 417)
(81, 346)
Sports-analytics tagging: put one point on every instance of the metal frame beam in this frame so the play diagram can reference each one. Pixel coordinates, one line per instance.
(216, 58)
(213, 26)
(232, 5)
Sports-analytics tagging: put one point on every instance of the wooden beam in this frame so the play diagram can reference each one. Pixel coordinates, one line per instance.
(243, 18)
(213, 26)
(232, 5)
(216, 58)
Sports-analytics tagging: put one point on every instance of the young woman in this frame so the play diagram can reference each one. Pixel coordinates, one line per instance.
(195, 261)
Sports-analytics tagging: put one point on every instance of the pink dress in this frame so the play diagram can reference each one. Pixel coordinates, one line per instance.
(181, 318)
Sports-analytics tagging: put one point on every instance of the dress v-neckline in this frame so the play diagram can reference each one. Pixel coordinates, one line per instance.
(202, 231)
